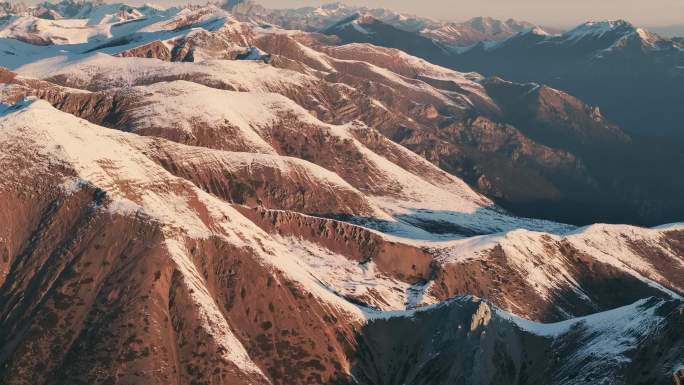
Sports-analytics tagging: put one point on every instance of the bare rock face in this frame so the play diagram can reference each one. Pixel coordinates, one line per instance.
(154, 50)
(481, 318)
(678, 377)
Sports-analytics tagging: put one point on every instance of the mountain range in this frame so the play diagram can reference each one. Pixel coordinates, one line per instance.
(193, 197)
(320, 18)
(634, 75)
(500, 137)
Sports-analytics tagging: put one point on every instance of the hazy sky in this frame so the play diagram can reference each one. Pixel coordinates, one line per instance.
(545, 12)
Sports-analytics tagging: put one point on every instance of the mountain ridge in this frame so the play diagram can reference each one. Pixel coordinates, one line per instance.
(484, 137)
(651, 67)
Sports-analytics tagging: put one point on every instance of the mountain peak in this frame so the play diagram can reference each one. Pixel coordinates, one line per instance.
(364, 18)
(491, 26)
(538, 31)
(600, 28)
(620, 33)
(356, 20)
(333, 5)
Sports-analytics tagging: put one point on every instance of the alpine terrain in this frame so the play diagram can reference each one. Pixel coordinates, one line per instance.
(190, 195)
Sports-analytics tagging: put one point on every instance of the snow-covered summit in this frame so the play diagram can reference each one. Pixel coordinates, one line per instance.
(600, 28)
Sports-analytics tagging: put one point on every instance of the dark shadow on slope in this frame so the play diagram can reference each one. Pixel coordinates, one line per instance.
(602, 289)
(464, 341)
(443, 225)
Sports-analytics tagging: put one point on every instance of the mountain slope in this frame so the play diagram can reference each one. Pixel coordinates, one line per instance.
(510, 141)
(362, 28)
(201, 284)
(633, 75)
(586, 174)
(480, 344)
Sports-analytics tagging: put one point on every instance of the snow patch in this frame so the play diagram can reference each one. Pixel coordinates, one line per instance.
(603, 337)
(63, 31)
(359, 280)
(536, 257)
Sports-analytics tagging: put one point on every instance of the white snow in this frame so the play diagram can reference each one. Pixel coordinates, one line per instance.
(539, 31)
(112, 161)
(104, 71)
(73, 40)
(113, 13)
(185, 105)
(678, 367)
(252, 163)
(630, 314)
(595, 29)
(310, 54)
(360, 280)
(209, 17)
(359, 28)
(63, 31)
(72, 185)
(535, 256)
(604, 337)
(254, 53)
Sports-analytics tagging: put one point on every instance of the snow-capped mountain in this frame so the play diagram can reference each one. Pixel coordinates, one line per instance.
(555, 142)
(364, 28)
(633, 74)
(323, 17)
(207, 257)
(475, 30)
(193, 199)
(97, 12)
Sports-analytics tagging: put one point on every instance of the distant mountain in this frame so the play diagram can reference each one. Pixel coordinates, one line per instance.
(326, 16)
(364, 28)
(95, 12)
(635, 76)
(475, 30)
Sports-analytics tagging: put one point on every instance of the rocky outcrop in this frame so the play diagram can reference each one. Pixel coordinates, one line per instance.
(154, 50)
